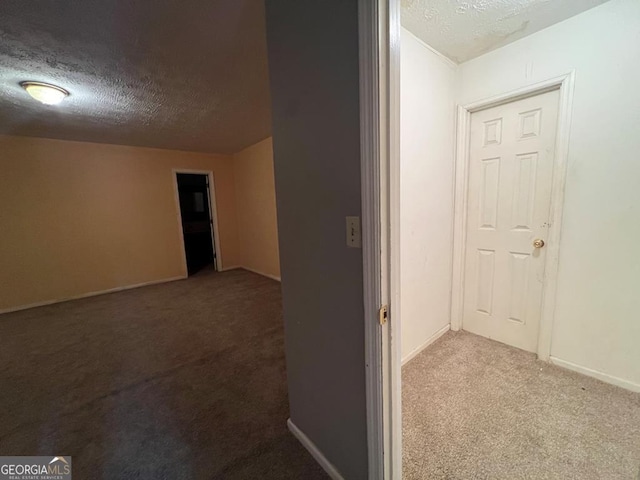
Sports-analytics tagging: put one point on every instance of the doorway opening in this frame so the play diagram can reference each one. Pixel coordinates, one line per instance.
(196, 212)
(477, 211)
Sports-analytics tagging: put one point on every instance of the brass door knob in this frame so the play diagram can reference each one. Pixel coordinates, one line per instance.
(538, 243)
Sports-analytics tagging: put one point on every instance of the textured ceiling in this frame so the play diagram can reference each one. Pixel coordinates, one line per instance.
(465, 29)
(161, 73)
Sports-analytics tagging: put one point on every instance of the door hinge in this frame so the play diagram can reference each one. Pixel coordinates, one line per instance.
(384, 314)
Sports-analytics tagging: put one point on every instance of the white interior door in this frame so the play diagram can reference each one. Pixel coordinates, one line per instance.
(511, 154)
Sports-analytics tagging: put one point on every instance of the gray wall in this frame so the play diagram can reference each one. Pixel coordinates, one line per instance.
(313, 63)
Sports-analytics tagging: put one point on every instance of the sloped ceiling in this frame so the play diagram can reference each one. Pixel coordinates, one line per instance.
(160, 73)
(465, 29)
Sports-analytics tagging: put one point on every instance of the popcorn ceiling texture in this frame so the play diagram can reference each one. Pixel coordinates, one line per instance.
(465, 29)
(156, 73)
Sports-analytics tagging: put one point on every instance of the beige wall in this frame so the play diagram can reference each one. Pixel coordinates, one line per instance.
(81, 217)
(256, 209)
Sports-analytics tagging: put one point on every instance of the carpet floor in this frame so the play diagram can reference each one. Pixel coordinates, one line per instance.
(184, 380)
(477, 409)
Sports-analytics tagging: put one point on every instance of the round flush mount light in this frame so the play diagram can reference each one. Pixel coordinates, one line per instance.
(45, 92)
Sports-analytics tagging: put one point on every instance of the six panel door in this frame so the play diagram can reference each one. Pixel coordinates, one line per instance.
(511, 155)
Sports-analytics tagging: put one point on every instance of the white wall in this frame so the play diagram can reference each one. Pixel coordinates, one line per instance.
(426, 192)
(597, 318)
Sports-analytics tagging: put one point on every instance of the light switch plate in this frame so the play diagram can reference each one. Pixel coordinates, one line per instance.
(354, 238)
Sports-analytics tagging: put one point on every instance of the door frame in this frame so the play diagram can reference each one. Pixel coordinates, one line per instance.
(565, 85)
(213, 211)
(379, 66)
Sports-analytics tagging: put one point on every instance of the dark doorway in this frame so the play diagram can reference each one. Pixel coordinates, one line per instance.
(197, 222)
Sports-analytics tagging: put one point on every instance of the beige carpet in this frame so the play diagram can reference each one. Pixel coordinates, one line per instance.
(184, 380)
(478, 409)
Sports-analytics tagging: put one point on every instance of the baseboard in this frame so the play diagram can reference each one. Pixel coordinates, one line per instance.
(619, 382)
(314, 451)
(428, 342)
(272, 277)
(119, 289)
(233, 267)
(90, 294)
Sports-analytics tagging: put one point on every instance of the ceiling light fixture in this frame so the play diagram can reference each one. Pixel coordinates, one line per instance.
(45, 92)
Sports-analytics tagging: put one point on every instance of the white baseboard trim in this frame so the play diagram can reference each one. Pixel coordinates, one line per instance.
(119, 289)
(428, 342)
(313, 450)
(90, 294)
(619, 382)
(272, 277)
(232, 267)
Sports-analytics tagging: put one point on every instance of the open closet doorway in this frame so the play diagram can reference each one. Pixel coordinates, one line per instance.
(196, 214)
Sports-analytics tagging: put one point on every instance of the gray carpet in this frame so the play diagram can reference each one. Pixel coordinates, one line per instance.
(477, 409)
(184, 380)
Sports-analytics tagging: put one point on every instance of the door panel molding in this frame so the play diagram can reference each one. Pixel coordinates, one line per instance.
(565, 85)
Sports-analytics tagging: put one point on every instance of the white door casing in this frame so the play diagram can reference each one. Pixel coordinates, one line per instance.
(511, 158)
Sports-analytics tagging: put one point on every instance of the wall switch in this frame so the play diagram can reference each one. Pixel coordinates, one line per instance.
(353, 232)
